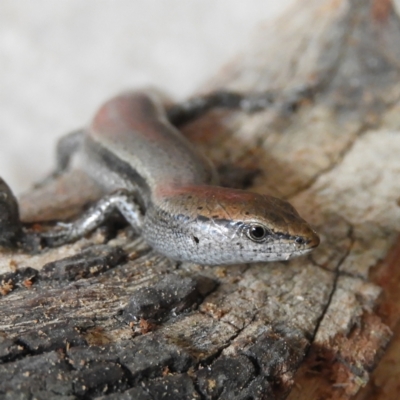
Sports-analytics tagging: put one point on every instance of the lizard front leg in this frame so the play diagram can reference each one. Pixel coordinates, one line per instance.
(122, 201)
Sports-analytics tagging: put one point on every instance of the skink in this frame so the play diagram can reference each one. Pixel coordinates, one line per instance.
(168, 192)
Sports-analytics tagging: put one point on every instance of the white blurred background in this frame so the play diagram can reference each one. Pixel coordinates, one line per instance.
(60, 59)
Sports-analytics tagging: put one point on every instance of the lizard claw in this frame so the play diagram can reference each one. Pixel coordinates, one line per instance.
(56, 238)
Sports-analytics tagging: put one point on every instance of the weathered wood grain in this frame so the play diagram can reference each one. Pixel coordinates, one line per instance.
(108, 317)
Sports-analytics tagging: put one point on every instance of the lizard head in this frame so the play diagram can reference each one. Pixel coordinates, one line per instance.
(226, 226)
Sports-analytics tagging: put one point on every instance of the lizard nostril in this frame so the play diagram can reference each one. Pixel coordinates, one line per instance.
(300, 240)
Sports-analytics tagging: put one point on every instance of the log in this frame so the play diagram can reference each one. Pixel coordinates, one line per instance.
(107, 317)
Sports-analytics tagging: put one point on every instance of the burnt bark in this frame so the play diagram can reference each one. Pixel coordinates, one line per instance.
(108, 317)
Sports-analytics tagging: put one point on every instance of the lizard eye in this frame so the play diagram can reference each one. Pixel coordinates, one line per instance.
(257, 233)
(300, 240)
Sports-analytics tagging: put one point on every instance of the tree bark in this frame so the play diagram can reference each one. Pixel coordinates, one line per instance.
(108, 317)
